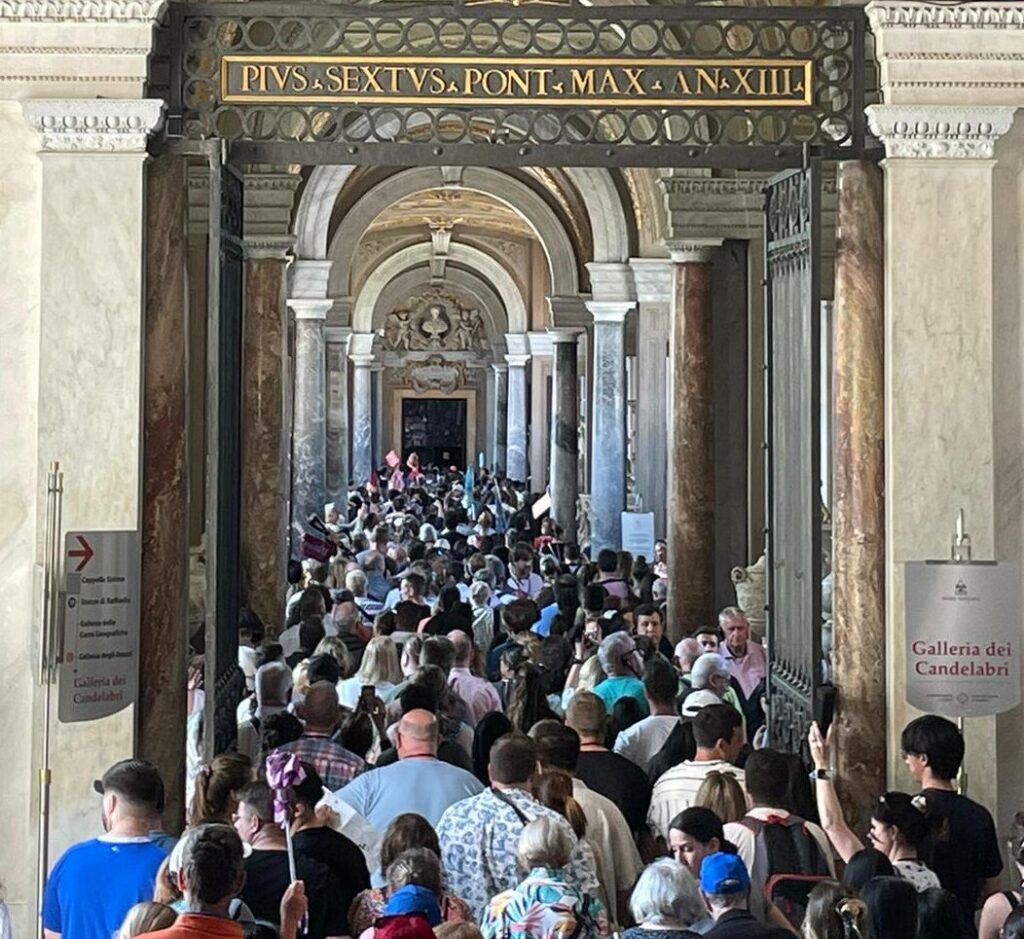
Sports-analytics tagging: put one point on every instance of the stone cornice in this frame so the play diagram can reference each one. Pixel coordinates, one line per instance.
(712, 186)
(94, 125)
(939, 132)
(81, 11)
(886, 14)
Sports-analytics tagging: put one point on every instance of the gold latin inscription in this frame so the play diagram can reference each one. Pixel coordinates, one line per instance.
(551, 82)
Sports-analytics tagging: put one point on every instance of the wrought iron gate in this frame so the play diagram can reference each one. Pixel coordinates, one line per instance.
(223, 678)
(793, 447)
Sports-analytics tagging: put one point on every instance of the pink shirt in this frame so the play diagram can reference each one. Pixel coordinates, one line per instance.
(478, 693)
(748, 670)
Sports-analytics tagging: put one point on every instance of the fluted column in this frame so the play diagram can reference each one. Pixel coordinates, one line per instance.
(608, 439)
(338, 459)
(691, 480)
(564, 430)
(362, 416)
(499, 415)
(309, 435)
(516, 461)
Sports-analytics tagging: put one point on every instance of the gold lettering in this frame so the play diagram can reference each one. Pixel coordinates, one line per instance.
(743, 79)
(495, 89)
(471, 78)
(437, 83)
(682, 86)
(418, 76)
(633, 77)
(370, 82)
(542, 81)
(774, 72)
(394, 82)
(709, 78)
(299, 80)
(787, 83)
(608, 83)
(519, 82)
(582, 82)
(250, 73)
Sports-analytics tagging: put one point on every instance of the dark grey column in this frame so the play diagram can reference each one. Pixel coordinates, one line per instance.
(516, 459)
(564, 430)
(338, 459)
(362, 417)
(499, 416)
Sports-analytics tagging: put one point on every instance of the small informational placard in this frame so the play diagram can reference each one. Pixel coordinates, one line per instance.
(100, 654)
(638, 533)
(963, 638)
(542, 505)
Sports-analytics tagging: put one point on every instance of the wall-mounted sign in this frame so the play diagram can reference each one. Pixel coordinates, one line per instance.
(553, 82)
(100, 654)
(963, 637)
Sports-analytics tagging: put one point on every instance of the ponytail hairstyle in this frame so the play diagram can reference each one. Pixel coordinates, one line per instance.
(553, 788)
(216, 785)
(834, 912)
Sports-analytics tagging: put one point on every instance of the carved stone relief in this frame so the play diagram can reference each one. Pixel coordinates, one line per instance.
(434, 321)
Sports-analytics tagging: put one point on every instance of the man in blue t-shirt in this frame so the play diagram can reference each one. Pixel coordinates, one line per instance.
(622, 664)
(96, 882)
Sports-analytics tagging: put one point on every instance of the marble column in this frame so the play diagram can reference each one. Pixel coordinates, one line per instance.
(691, 480)
(608, 433)
(309, 434)
(265, 481)
(338, 459)
(499, 415)
(362, 416)
(564, 430)
(163, 645)
(858, 526)
(516, 460)
(377, 392)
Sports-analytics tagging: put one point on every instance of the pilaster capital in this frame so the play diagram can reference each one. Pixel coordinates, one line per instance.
(268, 248)
(693, 250)
(930, 132)
(610, 311)
(712, 206)
(309, 279)
(517, 361)
(500, 368)
(568, 311)
(611, 281)
(337, 335)
(94, 125)
(309, 309)
(361, 359)
(564, 335)
(360, 348)
(517, 343)
(268, 205)
(653, 279)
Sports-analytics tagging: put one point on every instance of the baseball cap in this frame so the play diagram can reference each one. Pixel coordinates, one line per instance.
(724, 874)
(696, 700)
(137, 780)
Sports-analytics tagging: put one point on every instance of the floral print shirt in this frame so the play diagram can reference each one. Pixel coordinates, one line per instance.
(544, 906)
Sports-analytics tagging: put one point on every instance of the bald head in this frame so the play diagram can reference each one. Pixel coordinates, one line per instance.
(320, 708)
(417, 734)
(463, 647)
(688, 650)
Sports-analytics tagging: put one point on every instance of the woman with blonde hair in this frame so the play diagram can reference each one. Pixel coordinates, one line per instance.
(337, 650)
(148, 916)
(379, 668)
(721, 793)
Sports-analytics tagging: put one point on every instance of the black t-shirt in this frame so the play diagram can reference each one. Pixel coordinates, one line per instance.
(969, 854)
(739, 924)
(266, 879)
(620, 780)
(346, 872)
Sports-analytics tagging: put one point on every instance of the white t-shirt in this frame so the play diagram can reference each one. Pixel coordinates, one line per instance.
(677, 788)
(528, 586)
(641, 742)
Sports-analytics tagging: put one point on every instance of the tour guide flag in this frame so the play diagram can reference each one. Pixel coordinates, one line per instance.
(963, 637)
(392, 459)
(284, 773)
(468, 484)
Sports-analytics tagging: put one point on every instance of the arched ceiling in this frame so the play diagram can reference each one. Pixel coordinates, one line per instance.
(475, 209)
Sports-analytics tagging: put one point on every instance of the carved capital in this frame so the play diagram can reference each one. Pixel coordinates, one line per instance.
(517, 361)
(268, 248)
(309, 279)
(653, 278)
(693, 250)
(887, 14)
(81, 11)
(94, 125)
(939, 132)
(609, 311)
(308, 309)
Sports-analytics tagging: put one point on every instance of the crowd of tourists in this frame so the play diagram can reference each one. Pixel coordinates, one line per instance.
(496, 740)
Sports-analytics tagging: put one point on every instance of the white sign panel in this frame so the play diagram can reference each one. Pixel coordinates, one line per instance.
(963, 638)
(638, 534)
(100, 655)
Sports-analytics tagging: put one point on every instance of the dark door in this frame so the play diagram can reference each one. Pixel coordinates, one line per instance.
(792, 403)
(435, 429)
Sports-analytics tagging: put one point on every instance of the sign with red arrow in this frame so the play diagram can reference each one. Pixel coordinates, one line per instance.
(85, 552)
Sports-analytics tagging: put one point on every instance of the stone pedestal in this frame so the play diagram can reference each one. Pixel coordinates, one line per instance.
(858, 532)
(564, 430)
(309, 438)
(608, 440)
(265, 459)
(338, 456)
(499, 415)
(163, 653)
(515, 456)
(362, 417)
(691, 481)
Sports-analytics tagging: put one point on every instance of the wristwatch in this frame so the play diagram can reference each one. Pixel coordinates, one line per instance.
(820, 774)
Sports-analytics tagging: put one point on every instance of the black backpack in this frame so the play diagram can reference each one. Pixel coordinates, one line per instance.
(794, 863)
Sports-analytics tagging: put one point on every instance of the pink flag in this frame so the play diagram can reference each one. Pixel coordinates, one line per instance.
(393, 459)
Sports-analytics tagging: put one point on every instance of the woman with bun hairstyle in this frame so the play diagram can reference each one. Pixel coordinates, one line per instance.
(834, 912)
(902, 827)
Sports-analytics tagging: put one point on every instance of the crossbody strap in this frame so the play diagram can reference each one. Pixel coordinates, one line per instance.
(501, 797)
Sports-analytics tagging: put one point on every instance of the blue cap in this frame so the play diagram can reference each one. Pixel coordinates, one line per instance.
(724, 873)
(413, 898)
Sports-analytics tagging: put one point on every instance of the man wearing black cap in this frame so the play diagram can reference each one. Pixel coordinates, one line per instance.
(96, 882)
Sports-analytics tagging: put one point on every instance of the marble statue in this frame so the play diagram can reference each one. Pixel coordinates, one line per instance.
(750, 594)
(468, 329)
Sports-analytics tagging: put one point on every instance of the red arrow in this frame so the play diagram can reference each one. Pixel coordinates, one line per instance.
(85, 554)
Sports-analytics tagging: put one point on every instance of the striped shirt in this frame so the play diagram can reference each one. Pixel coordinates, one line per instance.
(677, 789)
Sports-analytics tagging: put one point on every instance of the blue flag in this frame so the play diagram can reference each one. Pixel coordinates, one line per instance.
(500, 524)
(468, 484)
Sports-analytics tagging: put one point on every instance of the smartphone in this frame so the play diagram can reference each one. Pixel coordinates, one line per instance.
(367, 698)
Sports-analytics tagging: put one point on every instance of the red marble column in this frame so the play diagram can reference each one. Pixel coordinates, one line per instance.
(691, 480)
(859, 476)
(163, 643)
(264, 440)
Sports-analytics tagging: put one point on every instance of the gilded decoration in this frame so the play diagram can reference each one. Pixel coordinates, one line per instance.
(434, 322)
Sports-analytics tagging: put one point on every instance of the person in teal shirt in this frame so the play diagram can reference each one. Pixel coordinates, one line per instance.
(622, 664)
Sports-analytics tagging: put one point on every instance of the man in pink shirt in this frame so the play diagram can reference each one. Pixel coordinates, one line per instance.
(478, 693)
(744, 658)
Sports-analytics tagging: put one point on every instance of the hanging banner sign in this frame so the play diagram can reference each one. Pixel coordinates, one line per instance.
(554, 81)
(964, 635)
(100, 654)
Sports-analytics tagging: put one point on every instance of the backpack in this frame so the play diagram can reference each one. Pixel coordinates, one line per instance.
(791, 860)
